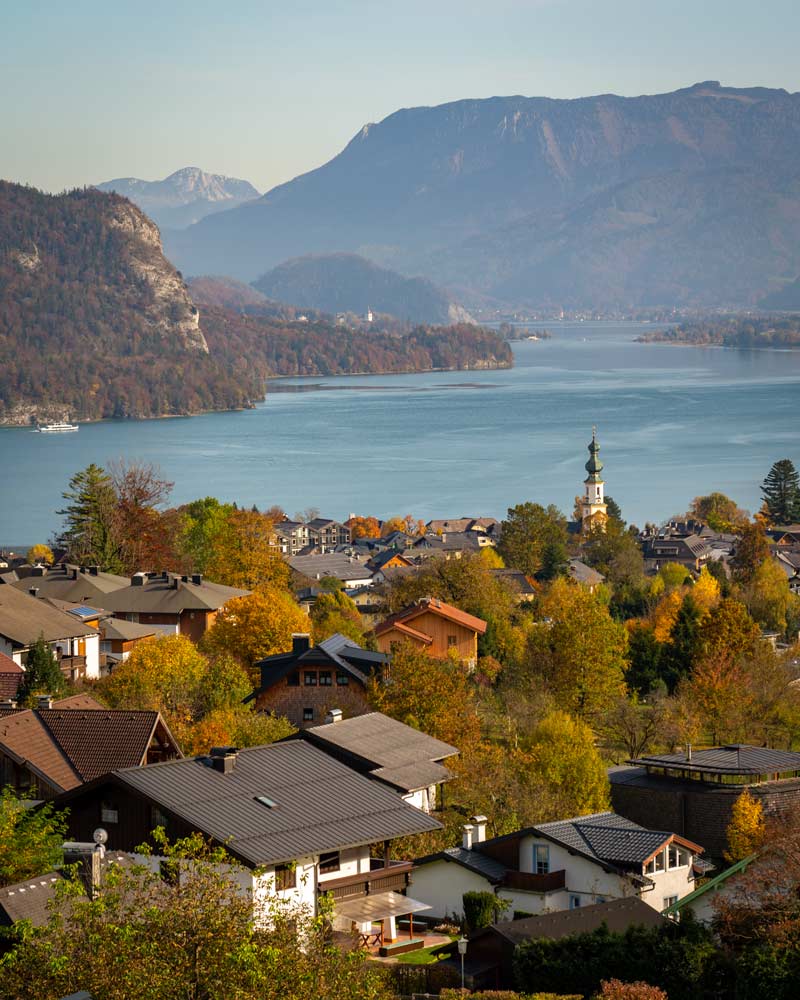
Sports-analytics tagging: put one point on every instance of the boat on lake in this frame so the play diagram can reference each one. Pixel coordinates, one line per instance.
(56, 428)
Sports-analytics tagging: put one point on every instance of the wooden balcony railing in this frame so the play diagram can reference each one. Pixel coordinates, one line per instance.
(529, 882)
(392, 876)
(73, 667)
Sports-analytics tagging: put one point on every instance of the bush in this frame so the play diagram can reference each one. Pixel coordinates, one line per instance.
(480, 909)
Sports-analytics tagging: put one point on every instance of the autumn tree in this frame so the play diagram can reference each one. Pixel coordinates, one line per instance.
(706, 592)
(718, 511)
(781, 491)
(567, 762)
(336, 612)
(252, 627)
(38, 554)
(717, 690)
(144, 533)
(533, 538)
(30, 839)
(615, 989)
(428, 694)
(768, 597)
(680, 651)
(363, 527)
(728, 630)
(88, 531)
(752, 548)
(234, 725)
(577, 650)
(243, 553)
(746, 828)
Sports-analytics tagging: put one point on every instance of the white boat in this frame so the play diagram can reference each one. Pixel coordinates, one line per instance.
(57, 428)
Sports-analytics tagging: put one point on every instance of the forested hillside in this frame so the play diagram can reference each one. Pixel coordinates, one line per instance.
(733, 331)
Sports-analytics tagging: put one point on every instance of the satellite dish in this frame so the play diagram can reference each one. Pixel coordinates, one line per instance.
(100, 836)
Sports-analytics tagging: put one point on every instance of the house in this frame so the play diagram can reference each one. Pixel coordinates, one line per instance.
(64, 744)
(306, 682)
(524, 586)
(24, 619)
(787, 535)
(11, 674)
(68, 582)
(172, 604)
(386, 750)
(480, 525)
(321, 533)
(690, 551)
(438, 628)
(693, 792)
(291, 536)
(700, 903)
(491, 949)
(119, 637)
(585, 575)
(297, 819)
(388, 559)
(561, 866)
(789, 561)
(348, 569)
(451, 544)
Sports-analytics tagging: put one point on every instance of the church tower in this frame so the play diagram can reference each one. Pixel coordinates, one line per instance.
(593, 507)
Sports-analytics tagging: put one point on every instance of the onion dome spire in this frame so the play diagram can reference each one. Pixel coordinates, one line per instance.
(594, 466)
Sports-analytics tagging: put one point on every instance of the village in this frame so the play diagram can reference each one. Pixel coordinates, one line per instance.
(466, 751)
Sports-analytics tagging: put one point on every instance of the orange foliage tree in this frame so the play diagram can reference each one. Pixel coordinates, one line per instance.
(250, 628)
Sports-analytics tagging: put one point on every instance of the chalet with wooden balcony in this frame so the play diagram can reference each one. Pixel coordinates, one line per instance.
(561, 866)
(61, 745)
(301, 821)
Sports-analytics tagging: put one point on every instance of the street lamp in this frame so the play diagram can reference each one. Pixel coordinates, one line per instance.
(462, 950)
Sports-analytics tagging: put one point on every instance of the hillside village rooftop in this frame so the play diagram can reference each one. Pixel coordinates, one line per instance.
(735, 763)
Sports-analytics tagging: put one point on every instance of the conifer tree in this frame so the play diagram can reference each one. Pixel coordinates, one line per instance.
(42, 673)
(781, 491)
(88, 532)
(746, 828)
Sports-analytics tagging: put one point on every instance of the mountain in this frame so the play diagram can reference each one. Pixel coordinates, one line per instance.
(344, 282)
(685, 198)
(94, 321)
(184, 197)
(214, 291)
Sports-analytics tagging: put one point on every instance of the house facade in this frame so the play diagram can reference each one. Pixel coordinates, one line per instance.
(306, 682)
(299, 822)
(561, 866)
(438, 628)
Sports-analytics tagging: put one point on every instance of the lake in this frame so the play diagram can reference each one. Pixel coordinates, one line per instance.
(673, 422)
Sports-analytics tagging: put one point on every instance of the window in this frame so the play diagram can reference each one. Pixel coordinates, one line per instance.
(293, 680)
(574, 902)
(669, 900)
(342, 680)
(308, 715)
(109, 813)
(265, 800)
(677, 857)
(157, 818)
(325, 678)
(285, 877)
(650, 867)
(310, 677)
(541, 859)
(452, 640)
(659, 859)
(329, 862)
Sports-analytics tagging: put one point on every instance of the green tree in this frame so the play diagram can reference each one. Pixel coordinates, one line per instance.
(568, 763)
(528, 532)
(781, 492)
(336, 612)
(680, 652)
(201, 523)
(644, 659)
(30, 839)
(42, 673)
(752, 548)
(768, 597)
(88, 532)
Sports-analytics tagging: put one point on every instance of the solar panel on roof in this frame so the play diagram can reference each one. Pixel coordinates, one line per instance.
(84, 611)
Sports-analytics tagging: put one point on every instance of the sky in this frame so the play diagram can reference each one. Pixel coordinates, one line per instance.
(267, 90)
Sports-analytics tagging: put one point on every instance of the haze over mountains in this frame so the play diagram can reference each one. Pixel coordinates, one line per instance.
(184, 197)
(686, 198)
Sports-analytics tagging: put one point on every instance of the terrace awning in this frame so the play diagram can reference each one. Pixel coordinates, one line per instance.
(381, 906)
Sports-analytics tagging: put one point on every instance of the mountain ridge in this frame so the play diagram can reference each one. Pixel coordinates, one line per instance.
(438, 191)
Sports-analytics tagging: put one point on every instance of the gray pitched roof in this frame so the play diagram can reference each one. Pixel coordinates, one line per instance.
(331, 564)
(476, 862)
(606, 837)
(320, 804)
(71, 583)
(24, 618)
(118, 629)
(732, 759)
(166, 593)
(382, 740)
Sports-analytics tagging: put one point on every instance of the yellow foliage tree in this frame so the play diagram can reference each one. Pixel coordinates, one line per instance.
(244, 554)
(665, 614)
(566, 757)
(491, 557)
(706, 592)
(250, 628)
(234, 725)
(746, 828)
(40, 554)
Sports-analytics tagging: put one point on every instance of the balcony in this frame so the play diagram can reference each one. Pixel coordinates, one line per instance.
(382, 877)
(72, 667)
(528, 882)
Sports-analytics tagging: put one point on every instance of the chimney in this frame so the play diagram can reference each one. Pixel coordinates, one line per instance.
(688, 751)
(88, 858)
(37, 571)
(83, 570)
(301, 642)
(197, 579)
(173, 583)
(94, 570)
(74, 572)
(8, 702)
(479, 822)
(33, 591)
(44, 701)
(333, 716)
(466, 840)
(137, 580)
(222, 759)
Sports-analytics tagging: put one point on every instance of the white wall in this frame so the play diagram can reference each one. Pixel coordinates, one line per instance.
(441, 884)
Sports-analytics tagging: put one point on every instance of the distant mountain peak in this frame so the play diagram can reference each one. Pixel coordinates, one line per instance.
(185, 196)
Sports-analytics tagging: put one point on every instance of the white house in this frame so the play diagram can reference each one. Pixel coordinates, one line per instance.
(561, 865)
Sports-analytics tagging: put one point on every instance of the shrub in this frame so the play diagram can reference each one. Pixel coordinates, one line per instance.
(480, 909)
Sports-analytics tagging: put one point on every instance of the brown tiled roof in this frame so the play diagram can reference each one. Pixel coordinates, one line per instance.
(97, 741)
(436, 607)
(25, 739)
(77, 701)
(10, 676)
(407, 630)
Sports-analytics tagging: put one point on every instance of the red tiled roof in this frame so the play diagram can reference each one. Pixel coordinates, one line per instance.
(436, 607)
(9, 666)
(10, 676)
(407, 630)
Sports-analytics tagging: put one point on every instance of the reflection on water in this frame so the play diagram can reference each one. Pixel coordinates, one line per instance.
(673, 422)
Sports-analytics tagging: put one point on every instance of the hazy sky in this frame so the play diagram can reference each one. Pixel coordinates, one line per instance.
(94, 90)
